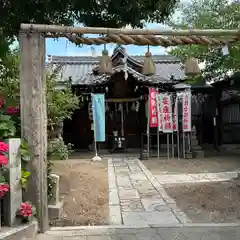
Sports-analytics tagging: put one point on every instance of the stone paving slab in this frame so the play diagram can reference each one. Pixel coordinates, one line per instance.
(126, 193)
(157, 217)
(150, 204)
(134, 219)
(124, 181)
(146, 193)
(139, 199)
(133, 205)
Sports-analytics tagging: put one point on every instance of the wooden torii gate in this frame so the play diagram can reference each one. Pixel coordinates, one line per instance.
(33, 84)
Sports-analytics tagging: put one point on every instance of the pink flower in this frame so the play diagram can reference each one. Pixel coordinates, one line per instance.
(3, 189)
(3, 160)
(3, 147)
(25, 209)
(11, 110)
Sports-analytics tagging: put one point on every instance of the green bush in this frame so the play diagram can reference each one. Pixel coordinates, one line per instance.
(57, 150)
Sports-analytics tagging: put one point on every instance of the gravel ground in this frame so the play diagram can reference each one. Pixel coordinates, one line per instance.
(217, 202)
(84, 190)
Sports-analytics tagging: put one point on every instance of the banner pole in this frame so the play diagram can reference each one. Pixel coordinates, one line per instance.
(148, 134)
(158, 147)
(95, 146)
(177, 126)
(158, 109)
(178, 144)
(172, 112)
(96, 157)
(183, 133)
(168, 150)
(96, 105)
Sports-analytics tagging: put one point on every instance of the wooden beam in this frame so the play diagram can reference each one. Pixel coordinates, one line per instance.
(34, 119)
(98, 30)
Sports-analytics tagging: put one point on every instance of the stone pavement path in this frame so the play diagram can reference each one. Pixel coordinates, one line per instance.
(141, 210)
(222, 232)
(137, 198)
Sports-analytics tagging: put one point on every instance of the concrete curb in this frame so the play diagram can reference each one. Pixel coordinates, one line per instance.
(120, 229)
(28, 230)
(115, 216)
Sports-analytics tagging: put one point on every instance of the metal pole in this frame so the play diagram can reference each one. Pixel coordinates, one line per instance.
(168, 150)
(96, 157)
(95, 146)
(158, 147)
(172, 112)
(183, 139)
(177, 126)
(122, 120)
(189, 141)
(183, 133)
(172, 145)
(178, 144)
(148, 131)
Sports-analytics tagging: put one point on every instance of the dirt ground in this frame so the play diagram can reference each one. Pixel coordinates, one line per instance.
(209, 202)
(175, 166)
(84, 191)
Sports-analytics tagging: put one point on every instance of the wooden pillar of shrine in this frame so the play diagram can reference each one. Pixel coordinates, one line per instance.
(34, 119)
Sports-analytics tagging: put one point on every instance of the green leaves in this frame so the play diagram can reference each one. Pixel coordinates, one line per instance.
(24, 151)
(60, 104)
(7, 127)
(24, 178)
(104, 13)
(25, 158)
(210, 14)
(2, 178)
(57, 150)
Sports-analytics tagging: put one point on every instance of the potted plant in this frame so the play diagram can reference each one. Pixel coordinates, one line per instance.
(26, 211)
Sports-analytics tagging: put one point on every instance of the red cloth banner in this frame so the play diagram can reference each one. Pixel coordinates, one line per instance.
(153, 114)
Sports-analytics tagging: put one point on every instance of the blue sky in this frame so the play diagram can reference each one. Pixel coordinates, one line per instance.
(65, 48)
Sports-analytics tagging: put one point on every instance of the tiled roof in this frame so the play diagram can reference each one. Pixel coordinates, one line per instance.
(80, 68)
(90, 78)
(77, 59)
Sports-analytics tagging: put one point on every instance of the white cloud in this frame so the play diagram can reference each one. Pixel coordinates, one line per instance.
(131, 50)
(90, 51)
(158, 51)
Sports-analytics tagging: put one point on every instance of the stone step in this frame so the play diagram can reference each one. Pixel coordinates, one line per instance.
(199, 153)
(197, 147)
(27, 231)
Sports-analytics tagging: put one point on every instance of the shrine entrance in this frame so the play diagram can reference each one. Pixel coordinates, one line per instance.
(33, 84)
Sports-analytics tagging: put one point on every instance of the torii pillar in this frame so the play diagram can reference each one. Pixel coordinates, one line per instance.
(34, 119)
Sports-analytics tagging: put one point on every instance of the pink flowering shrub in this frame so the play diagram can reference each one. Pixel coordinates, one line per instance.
(7, 130)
